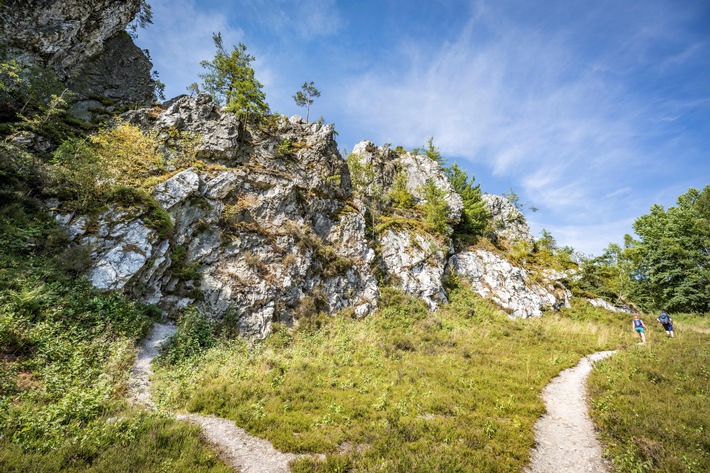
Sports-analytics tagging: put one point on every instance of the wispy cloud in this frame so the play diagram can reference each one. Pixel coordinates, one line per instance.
(306, 18)
(521, 105)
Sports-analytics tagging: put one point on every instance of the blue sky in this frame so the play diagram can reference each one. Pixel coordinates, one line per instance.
(590, 111)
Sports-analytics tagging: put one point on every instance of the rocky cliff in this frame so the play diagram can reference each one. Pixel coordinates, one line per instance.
(269, 223)
(86, 45)
(273, 227)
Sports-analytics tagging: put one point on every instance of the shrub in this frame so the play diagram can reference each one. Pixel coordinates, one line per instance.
(399, 195)
(119, 156)
(435, 209)
(193, 336)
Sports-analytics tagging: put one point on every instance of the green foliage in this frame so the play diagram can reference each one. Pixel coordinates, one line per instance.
(362, 176)
(607, 276)
(475, 216)
(403, 390)
(400, 196)
(156, 217)
(649, 403)
(141, 443)
(194, 335)
(143, 18)
(33, 99)
(431, 152)
(671, 257)
(180, 268)
(230, 81)
(284, 150)
(306, 96)
(89, 169)
(435, 209)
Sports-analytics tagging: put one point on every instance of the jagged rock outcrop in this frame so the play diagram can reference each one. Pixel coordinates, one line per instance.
(512, 287)
(417, 170)
(85, 43)
(411, 259)
(64, 33)
(119, 76)
(599, 302)
(263, 240)
(507, 222)
(220, 133)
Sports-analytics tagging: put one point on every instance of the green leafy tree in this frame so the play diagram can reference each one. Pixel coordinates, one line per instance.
(671, 257)
(608, 275)
(399, 196)
(230, 81)
(306, 96)
(475, 215)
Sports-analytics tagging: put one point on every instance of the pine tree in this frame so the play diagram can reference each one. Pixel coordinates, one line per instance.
(305, 96)
(230, 81)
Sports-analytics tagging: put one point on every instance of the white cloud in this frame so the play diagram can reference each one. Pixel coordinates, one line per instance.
(181, 37)
(520, 103)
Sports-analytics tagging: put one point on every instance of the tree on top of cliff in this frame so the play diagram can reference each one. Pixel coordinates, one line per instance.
(230, 81)
(306, 96)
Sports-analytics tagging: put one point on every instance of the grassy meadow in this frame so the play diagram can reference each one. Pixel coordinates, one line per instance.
(402, 390)
(651, 402)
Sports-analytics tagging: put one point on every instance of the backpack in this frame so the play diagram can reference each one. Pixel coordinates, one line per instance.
(664, 319)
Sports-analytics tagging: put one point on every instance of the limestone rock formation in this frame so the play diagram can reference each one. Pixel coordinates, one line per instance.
(254, 239)
(417, 169)
(510, 286)
(415, 263)
(507, 222)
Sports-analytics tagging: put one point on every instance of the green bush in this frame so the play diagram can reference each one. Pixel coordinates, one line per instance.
(193, 336)
(400, 196)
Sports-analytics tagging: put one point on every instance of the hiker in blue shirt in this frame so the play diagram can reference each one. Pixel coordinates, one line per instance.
(640, 327)
(667, 323)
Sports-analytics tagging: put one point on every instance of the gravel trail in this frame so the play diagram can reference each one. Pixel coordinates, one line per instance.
(139, 382)
(566, 442)
(246, 453)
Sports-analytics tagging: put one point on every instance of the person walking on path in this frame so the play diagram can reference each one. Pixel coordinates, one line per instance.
(640, 328)
(667, 323)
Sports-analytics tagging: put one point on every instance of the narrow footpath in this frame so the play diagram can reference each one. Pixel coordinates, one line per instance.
(566, 442)
(246, 453)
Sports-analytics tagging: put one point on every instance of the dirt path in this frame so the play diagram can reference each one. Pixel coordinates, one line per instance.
(566, 442)
(247, 454)
(139, 382)
(244, 452)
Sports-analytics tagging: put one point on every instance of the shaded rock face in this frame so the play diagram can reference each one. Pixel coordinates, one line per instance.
(507, 222)
(119, 76)
(511, 287)
(85, 43)
(64, 33)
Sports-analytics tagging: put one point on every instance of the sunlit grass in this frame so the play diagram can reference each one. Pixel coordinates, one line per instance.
(402, 390)
(651, 402)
